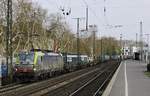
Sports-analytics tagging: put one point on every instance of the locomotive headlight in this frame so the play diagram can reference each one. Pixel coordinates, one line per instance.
(16, 69)
(34, 69)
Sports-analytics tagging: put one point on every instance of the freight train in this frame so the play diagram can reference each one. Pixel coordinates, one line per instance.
(73, 62)
(39, 64)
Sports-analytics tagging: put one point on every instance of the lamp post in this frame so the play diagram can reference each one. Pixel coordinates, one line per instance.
(121, 47)
(147, 47)
(141, 40)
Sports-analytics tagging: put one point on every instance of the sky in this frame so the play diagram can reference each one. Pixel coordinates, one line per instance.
(127, 13)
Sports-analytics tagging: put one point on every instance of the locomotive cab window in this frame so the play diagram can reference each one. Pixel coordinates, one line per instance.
(26, 58)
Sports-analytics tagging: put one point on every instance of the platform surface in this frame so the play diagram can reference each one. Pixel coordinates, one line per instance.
(131, 80)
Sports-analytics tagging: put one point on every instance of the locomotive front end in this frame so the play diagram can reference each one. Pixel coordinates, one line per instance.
(24, 67)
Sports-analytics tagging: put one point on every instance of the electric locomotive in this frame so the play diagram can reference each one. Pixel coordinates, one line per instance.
(37, 65)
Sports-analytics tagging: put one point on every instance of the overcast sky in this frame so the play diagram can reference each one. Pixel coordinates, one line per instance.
(127, 13)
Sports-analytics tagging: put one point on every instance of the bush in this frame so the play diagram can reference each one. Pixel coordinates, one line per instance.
(148, 67)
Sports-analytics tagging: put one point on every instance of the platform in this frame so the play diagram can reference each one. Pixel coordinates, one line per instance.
(130, 80)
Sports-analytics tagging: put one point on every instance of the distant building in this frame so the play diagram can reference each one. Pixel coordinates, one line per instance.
(130, 48)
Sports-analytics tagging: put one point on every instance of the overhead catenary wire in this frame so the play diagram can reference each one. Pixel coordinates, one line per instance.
(98, 21)
(93, 12)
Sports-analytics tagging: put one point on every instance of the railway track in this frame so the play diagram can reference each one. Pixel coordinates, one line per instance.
(53, 82)
(104, 84)
(55, 89)
(11, 87)
(95, 86)
(92, 84)
(88, 88)
(72, 84)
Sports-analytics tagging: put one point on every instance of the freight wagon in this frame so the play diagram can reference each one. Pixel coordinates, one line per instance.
(73, 62)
